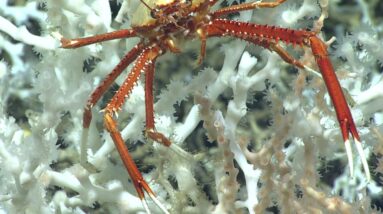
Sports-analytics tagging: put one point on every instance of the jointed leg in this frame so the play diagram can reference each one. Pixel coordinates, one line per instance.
(274, 46)
(268, 37)
(343, 113)
(76, 43)
(107, 82)
(202, 35)
(97, 94)
(135, 175)
(285, 55)
(246, 6)
(142, 65)
(150, 130)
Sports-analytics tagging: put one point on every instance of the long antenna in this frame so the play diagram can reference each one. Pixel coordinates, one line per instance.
(146, 5)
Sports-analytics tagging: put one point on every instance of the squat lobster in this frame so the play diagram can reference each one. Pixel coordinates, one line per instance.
(162, 25)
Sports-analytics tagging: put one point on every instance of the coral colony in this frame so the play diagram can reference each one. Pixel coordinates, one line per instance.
(250, 132)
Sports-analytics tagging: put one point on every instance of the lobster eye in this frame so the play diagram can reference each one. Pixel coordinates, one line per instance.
(154, 13)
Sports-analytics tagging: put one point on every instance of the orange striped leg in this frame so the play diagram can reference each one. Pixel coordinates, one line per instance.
(272, 46)
(79, 42)
(108, 81)
(97, 94)
(142, 64)
(286, 56)
(268, 44)
(128, 58)
(266, 35)
(245, 6)
(343, 113)
(150, 130)
(202, 35)
(150, 126)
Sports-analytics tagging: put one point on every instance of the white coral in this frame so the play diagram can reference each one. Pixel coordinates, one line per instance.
(226, 156)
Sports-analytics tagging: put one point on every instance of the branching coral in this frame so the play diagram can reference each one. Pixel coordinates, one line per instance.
(259, 135)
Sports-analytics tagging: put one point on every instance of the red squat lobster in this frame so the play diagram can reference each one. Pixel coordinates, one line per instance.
(161, 25)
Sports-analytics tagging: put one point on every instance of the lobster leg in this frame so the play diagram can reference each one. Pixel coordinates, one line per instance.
(202, 36)
(342, 110)
(244, 6)
(268, 36)
(98, 93)
(273, 46)
(107, 82)
(143, 63)
(76, 43)
(150, 130)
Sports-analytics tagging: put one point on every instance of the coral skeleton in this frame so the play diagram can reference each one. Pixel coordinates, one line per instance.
(250, 133)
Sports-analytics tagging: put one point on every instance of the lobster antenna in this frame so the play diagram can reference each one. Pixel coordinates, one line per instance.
(146, 5)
